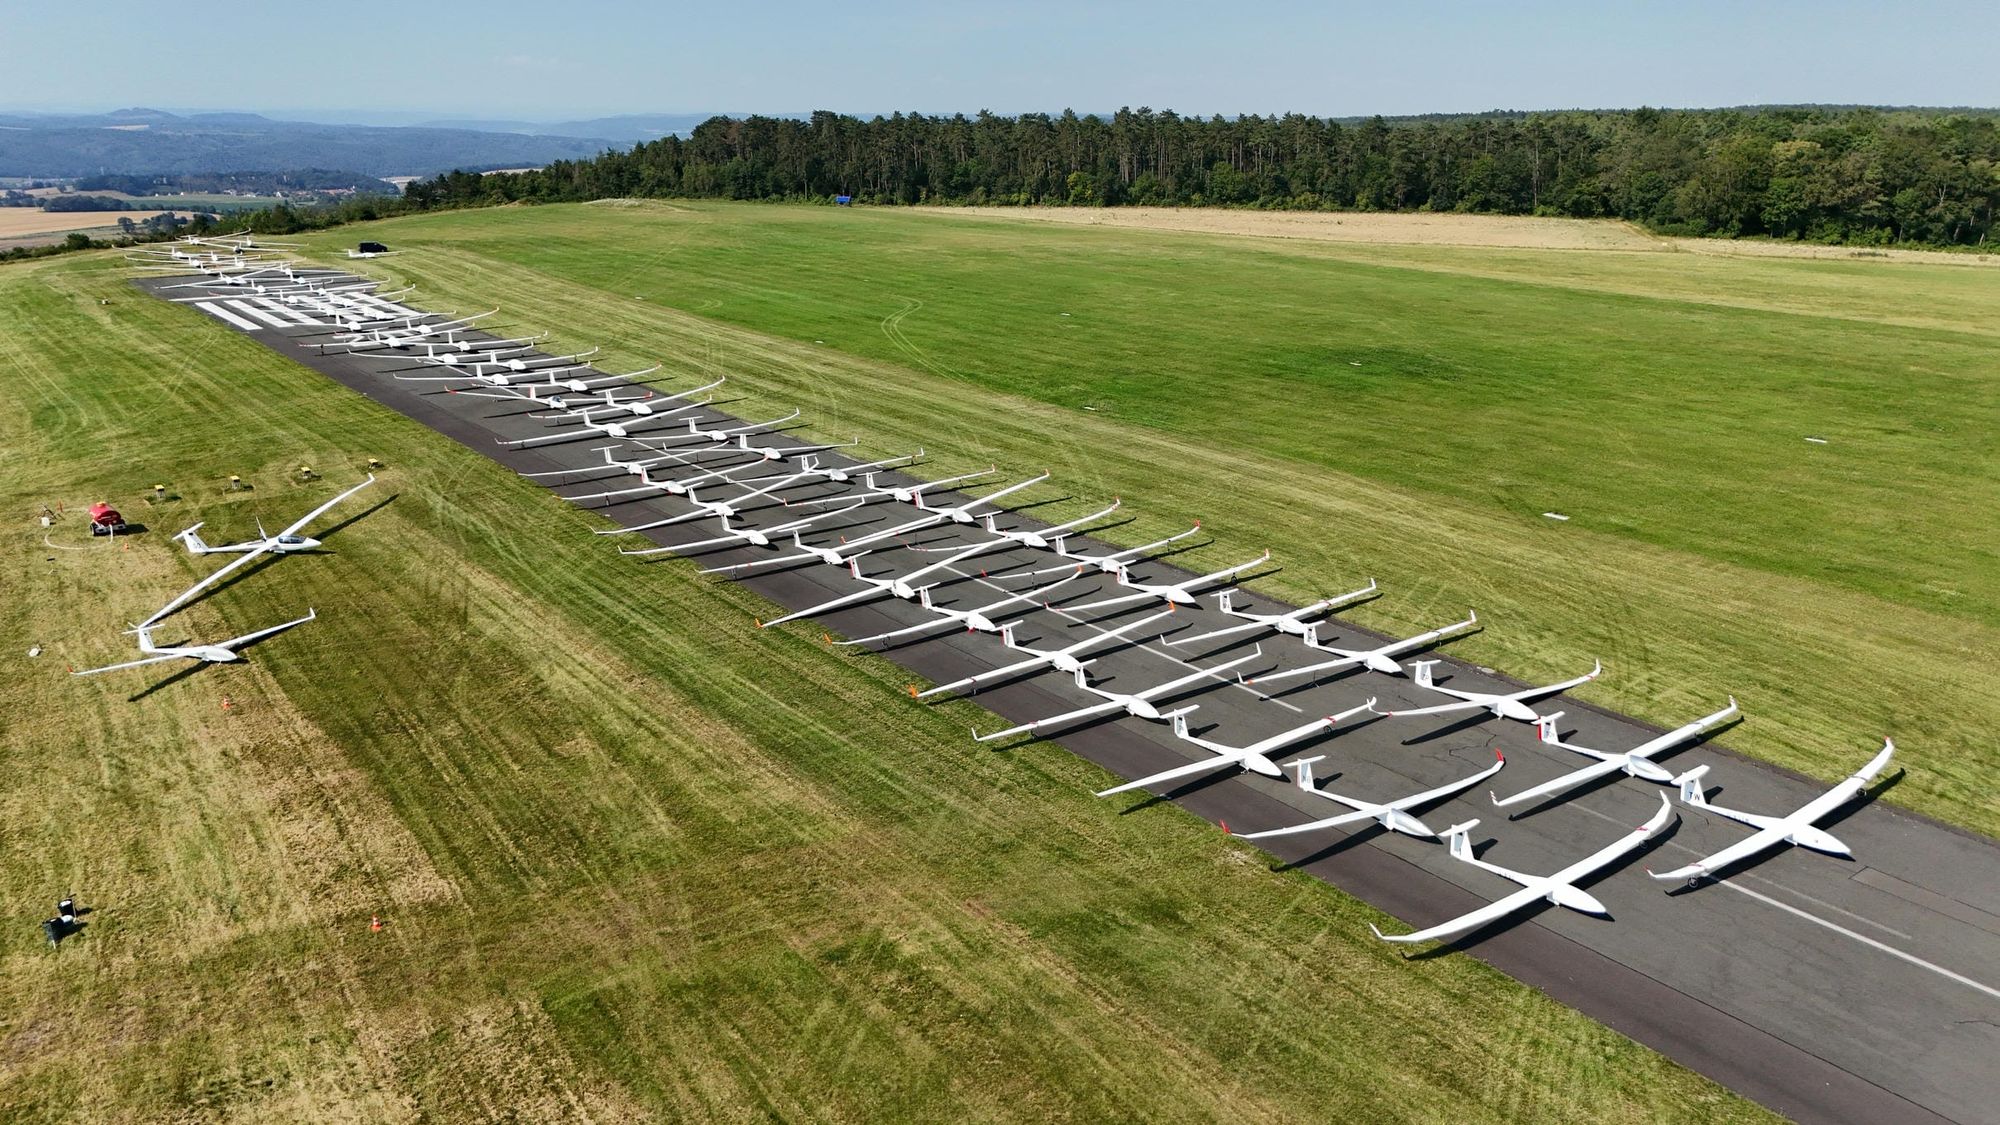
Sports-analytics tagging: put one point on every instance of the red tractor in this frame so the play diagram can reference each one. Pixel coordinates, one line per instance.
(105, 520)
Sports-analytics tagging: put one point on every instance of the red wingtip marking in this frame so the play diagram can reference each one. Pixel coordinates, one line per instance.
(1225, 828)
(1499, 754)
(912, 688)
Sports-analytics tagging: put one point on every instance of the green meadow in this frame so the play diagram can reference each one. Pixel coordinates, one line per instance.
(637, 859)
(1402, 412)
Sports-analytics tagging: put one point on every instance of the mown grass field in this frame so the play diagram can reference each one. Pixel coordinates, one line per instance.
(1406, 412)
(637, 859)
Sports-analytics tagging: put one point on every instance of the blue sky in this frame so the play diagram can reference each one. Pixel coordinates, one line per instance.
(555, 59)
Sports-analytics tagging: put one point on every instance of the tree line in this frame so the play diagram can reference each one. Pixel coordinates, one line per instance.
(1852, 175)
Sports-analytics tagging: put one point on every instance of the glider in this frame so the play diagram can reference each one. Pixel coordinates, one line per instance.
(904, 587)
(962, 513)
(1559, 888)
(499, 372)
(835, 472)
(222, 652)
(1173, 593)
(1796, 828)
(1393, 815)
(680, 487)
(755, 537)
(732, 507)
(586, 425)
(836, 555)
(1109, 563)
(911, 493)
(1061, 659)
(257, 549)
(1508, 705)
(1293, 623)
(1139, 705)
(1636, 762)
(1048, 536)
(980, 619)
(1376, 659)
(1254, 757)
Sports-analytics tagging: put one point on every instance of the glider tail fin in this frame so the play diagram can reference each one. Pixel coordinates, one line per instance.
(1305, 767)
(1545, 726)
(1690, 785)
(193, 541)
(1422, 674)
(1459, 836)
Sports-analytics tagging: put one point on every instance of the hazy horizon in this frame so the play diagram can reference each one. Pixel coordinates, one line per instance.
(509, 60)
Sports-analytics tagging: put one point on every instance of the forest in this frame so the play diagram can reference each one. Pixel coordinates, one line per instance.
(1841, 175)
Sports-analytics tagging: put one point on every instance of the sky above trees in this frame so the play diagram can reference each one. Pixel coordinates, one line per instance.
(385, 63)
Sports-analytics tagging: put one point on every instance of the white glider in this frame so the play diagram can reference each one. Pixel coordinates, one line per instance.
(904, 587)
(257, 550)
(1139, 705)
(963, 513)
(1110, 562)
(1047, 537)
(1254, 757)
(1796, 828)
(498, 372)
(1376, 659)
(838, 473)
(1173, 593)
(726, 509)
(837, 555)
(910, 493)
(1292, 623)
(1393, 815)
(1636, 762)
(1061, 659)
(679, 487)
(755, 537)
(1559, 888)
(1508, 705)
(979, 619)
(586, 426)
(222, 652)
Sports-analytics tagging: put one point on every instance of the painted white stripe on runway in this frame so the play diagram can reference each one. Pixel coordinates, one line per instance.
(248, 309)
(282, 310)
(221, 313)
(1866, 940)
(1836, 927)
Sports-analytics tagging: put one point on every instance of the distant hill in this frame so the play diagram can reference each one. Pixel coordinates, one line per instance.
(629, 128)
(153, 142)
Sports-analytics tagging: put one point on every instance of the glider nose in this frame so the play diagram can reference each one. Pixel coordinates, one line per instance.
(1141, 709)
(1517, 710)
(1399, 821)
(980, 622)
(1651, 771)
(1384, 665)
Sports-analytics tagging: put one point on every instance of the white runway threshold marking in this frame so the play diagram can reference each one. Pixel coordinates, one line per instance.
(249, 309)
(223, 314)
(1864, 939)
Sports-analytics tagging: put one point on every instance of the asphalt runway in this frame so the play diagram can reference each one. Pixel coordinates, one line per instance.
(1829, 990)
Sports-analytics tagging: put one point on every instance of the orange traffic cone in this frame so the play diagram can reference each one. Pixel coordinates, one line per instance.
(226, 703)
(375, 923)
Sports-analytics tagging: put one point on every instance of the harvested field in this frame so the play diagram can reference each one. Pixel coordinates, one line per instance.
(1447, 229)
